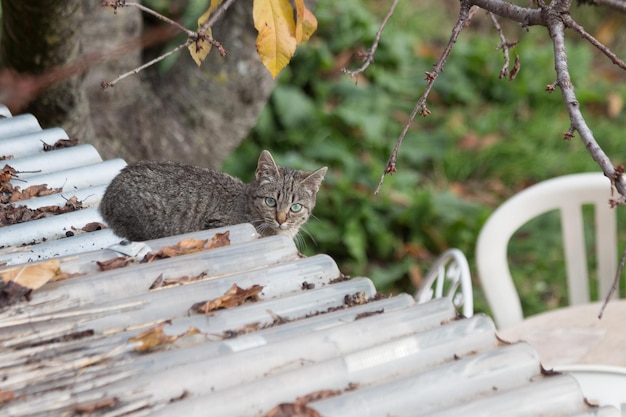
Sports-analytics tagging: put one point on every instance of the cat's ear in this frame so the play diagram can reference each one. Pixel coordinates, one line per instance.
(267, 170)
(314, 179)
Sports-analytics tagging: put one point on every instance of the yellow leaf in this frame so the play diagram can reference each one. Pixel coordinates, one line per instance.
(205, 16)
(32, 276)
(306, 23)
(156, 337)
(276, 42)
(201, 47)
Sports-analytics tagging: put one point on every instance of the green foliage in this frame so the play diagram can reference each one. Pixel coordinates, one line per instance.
(486, 139)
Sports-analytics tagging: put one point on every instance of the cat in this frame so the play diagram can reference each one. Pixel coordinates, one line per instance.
(150, 200)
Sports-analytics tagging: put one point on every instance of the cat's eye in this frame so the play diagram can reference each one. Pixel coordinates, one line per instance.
(271, 202)
(296, 207)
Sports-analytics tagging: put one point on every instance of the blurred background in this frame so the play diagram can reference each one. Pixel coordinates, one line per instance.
(486, 139)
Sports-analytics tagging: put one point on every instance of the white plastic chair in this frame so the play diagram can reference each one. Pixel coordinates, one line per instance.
(450, 266)
(567, 194)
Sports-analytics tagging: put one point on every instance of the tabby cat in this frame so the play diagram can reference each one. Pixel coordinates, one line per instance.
(149, 200)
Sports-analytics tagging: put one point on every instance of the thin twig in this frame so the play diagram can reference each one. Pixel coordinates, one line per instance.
(503, 45)
(431, 76)
(192, 36)
(106, 84)
(619, 5)
(369, 56)
(571, 23)
(556, 28)
(615, 284)
(149, 11)
(217, 14)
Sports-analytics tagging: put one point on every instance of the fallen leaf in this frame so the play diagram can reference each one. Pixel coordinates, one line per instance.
(18, 282)
(235, 296)
(11, 293)
(183, 247)
(219, 240)
(7, 174)
(276, 42)
(32, 276)
(156, 337)
(32, 191)
(93, 226)
(292, 410)
(368, 314)
(6, 396)
(318, 395)
(115, 263)
(12, 214)
(61, 276)
(187, 246)
(357, 298)
(59, 144)
(248, 328)
(92, 407)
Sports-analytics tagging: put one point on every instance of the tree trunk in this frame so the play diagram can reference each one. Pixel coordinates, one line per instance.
(42, 34)
(185, 113)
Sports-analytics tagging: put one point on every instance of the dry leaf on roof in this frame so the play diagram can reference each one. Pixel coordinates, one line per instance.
(318, 395)
(7, 173)
(6, 396)
(183, 247)
(32, 191)
(12, 214)
(60, 276)
(115, 263)
(156, 337)
(299, 408)
(18, 282)
(187, 246)
(94, 406)
(235, 296)
(93, 226)
(161, 282)
(219, 240)
(357, 298)
(292, 410)
(59, 144)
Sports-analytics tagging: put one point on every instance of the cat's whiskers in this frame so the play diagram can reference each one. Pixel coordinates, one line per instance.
(303, 230)
(300, 242)
(260, 225)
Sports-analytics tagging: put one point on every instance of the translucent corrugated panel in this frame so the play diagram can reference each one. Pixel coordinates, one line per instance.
(132, 341)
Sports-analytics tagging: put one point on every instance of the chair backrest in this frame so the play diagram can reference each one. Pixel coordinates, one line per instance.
(449, 273)
(567, 194)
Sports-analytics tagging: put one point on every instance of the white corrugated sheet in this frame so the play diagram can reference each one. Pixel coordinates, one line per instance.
(71, 348)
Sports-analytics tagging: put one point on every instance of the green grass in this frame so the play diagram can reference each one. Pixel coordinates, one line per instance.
(485, 140)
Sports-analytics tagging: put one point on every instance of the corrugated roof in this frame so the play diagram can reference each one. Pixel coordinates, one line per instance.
(76, 346)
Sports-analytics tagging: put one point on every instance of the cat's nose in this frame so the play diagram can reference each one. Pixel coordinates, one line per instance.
(281, 218)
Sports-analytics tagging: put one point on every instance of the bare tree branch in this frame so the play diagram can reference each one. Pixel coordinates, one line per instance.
(369, 56)
(420, 106)
(619, 5)
(140, 68)
(571, 23)
(118, 4)
(505, 46)
(523, 15)
(620, 268)
(556, 28)
(202, 33)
